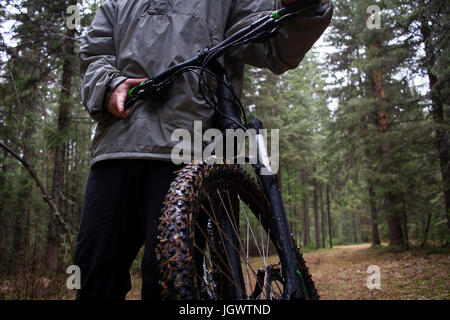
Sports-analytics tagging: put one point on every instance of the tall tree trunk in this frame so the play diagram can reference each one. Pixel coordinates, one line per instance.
(373, 216)
(26, 128)
(27, 243)
(345, 228)
(329, 216)
(394, 219)
(355, 233)
(427, 228)
(316, 215)
(290, 211)
(294, 227)
(4, 219)
(322, 217)
(306, 231)
(60, 146)
(22, 231)
(390, 198)
(442, 143)
(441, 120)
(405, 226)
(294, 213)
(18, 243)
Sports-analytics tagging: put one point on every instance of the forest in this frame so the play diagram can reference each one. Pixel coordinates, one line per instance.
(364, 130)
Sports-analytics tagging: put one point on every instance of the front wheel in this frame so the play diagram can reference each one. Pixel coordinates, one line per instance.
(216, 241)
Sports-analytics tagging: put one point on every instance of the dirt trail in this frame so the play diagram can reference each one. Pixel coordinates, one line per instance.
(341, 273)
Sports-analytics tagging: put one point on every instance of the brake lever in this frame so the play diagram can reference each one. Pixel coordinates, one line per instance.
(146, 89)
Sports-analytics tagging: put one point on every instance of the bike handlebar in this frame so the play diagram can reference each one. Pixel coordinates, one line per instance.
(260, 30)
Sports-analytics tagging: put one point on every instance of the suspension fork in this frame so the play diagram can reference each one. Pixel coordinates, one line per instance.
(278, 221)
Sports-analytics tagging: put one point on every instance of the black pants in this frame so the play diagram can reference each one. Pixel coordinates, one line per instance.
(121, 208)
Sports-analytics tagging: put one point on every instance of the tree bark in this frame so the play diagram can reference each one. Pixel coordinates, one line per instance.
(442, 143)
(329, 216)
(26, 129)
(21, 231)
(345, 227)
(427, 228)
(394, 219)
(316, 215)
(322, 217)
(4, 221)
(355, 232)
(60, 147)
(294, 213)
(305, 221)
(390, 198)
(373, 216)
(405, 226)
(441, 120)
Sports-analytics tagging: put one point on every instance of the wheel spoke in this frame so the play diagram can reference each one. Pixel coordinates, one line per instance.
(225, 273)
(222, 234)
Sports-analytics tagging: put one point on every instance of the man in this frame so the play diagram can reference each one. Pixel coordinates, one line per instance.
(131, 171)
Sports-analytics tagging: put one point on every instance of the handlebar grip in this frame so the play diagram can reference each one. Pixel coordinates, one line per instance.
(131, 95)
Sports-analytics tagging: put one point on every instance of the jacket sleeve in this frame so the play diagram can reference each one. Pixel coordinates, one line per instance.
(98, 61)
(287, 49)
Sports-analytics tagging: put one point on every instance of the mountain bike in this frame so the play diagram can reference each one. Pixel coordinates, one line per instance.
(224, 234)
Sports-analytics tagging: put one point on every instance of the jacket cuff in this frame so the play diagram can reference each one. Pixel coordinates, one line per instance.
(110, 87)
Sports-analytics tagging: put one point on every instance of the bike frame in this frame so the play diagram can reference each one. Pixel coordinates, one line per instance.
(230, 118)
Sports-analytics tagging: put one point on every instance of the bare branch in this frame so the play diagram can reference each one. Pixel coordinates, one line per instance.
(44, 191)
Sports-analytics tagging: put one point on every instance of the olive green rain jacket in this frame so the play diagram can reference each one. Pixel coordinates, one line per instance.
(141, 38)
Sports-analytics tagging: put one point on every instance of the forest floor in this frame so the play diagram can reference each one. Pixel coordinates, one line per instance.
(341, 274)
